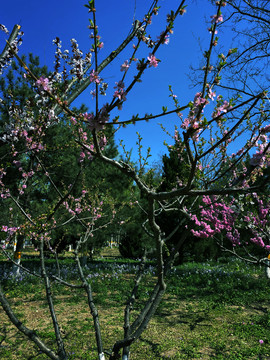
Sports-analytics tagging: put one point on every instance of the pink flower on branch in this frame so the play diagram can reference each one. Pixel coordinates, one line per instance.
(211, 30)
(217, 18)
(216, 217)
(211, 94)
(125, 66)
(98, 122)
(153, 61)
(166, 39)
(43, 83)
(10, 230)
(120, 92)
(199, 100)
(94, 78)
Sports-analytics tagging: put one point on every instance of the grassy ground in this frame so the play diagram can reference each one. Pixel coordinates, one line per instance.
(210, 311)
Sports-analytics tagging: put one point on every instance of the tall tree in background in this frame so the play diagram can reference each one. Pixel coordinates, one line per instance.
(62, 159)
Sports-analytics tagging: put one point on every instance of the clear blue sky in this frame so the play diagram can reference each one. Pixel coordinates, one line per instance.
(42, 21)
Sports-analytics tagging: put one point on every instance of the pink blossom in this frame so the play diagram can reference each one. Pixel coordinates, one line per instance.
(73, 120)
(182, 11)
(94, 77)
(120, 94)
(103, 141)
(185, 123)
(263, 138)
(125, 66)
(10, 230)
(43, 83)
(97, 123)
(72, 212)
(152, 60)
(166, 39)
(211, 30)
(82, 156)
(221, 109)
(217, 18)
(199, 100)
(216, 216)
(211, 94)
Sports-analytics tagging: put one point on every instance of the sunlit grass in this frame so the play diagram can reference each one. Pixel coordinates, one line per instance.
(210, 311)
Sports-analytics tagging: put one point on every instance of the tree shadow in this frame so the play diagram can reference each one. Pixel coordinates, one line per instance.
(7, 334)
(155, 348)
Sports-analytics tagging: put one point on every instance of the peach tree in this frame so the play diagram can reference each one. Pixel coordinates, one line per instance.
(216, 131)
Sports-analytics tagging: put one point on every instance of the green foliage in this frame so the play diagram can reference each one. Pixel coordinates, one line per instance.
(134, 241)
(61, 161)
(175, 168)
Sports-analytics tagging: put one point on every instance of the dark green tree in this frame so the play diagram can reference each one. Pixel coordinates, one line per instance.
(175, 173)
(62, 160)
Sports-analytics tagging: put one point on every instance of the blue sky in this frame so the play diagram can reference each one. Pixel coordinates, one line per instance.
(43, 21)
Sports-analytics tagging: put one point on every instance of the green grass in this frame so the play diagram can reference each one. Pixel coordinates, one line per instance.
(210, 311)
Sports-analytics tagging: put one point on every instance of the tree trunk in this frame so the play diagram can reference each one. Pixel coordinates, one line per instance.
(17, 255)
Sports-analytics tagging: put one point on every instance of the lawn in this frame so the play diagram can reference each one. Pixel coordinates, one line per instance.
(210, 311)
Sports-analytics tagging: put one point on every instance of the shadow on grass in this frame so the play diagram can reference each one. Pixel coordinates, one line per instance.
(155, 348)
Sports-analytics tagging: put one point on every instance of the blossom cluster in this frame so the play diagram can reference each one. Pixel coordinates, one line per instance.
(9, 230)
(218, 18)
(120, 93)
(223, 108)
(78, 205)
(216, 217)
(261, 157)
(98, 122)
(257, 221)
(43, 84)
(153, 61)
(94, 78)
(195, 114)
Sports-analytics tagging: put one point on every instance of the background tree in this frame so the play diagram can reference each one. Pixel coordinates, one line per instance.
(61, 160)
